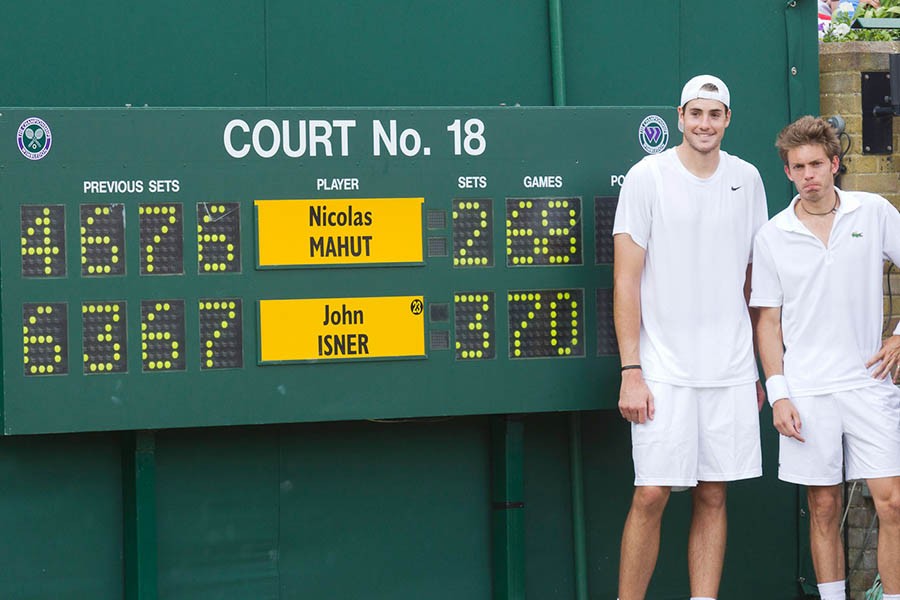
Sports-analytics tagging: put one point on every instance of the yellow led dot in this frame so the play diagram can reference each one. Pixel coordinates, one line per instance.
(471, 326)
(166, 306)
(209, 353)
(518, 352)
(172, 220)
(230, 247)
(568, 351)
(553, 342)
(42, 369)
(486, 345)
(151, 316)
(209, 343)
(231, 314)
(207, 267)
(155, 210)
(209, 363)
(174, 355)
(524, 324)
(217, 334)
(114, 259)
(143, 345)
(97, 210)
(215, 267)
(101, 367)
(25, 360)
(33, 369)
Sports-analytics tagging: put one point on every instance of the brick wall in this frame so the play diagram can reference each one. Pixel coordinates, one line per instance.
(840, 68)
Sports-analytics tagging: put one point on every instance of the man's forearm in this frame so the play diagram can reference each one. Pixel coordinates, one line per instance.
(627, 318)
(771, 346)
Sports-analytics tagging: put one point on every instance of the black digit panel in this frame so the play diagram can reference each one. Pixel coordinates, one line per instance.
(104, 339)
(473, 233)
(43, 240)
(162, 335)
(543, 231)
(218, 237)
(546, 323)
(102, 239)
(221, 333)
(162, 243)
(45, 346)
(473, 319)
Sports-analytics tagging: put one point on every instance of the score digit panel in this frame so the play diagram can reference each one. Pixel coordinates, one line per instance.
(288, 265)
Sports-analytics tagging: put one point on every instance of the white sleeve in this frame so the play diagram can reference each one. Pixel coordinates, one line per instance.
(761, 209)
(634, 212)
(766, 285)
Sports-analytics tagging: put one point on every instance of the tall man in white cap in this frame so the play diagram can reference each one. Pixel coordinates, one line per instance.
(683, 237)
(818, 283)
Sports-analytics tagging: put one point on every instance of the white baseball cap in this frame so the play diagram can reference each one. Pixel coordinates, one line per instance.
(692, 90)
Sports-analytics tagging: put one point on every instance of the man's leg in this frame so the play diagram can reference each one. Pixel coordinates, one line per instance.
(706, 543)
(886, 493)
(825, 532)
(640, 541)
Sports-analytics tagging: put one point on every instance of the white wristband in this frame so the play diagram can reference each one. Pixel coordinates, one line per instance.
(777, 388)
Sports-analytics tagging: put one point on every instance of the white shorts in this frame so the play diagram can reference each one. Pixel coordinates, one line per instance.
(859, 429)
(698, 434)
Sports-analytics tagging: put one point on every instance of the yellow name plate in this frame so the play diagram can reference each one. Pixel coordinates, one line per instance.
(341, 328)
(339, 232)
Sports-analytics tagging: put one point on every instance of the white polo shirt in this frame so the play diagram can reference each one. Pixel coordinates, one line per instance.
(831, 299)
(698, 237)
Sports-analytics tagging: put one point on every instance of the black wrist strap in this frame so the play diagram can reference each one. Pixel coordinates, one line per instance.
(629, 367)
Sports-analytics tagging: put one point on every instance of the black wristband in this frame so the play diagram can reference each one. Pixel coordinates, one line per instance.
(629, 367)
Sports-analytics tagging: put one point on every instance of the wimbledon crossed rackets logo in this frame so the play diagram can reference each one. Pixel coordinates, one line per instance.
(653, 134)
(34, 138)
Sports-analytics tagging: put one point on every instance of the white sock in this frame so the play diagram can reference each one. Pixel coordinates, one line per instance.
(891, 597)
(701, 598)
(833, 590)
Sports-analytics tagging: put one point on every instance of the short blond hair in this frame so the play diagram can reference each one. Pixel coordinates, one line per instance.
(808, 131)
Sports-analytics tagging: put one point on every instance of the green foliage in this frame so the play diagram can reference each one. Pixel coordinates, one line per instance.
(839, 29)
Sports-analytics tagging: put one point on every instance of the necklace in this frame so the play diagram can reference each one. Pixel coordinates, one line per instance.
(821, 214)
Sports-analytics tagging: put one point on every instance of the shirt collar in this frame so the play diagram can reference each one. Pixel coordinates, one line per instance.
(788, 220)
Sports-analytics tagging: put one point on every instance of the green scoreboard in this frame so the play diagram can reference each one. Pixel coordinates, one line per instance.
(194, 267)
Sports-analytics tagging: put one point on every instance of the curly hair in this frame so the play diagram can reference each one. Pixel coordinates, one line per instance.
(808, 131)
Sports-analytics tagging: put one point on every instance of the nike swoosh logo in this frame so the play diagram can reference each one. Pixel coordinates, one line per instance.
(734, 189)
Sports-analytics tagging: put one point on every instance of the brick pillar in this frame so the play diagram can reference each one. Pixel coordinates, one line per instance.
(840, 68)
